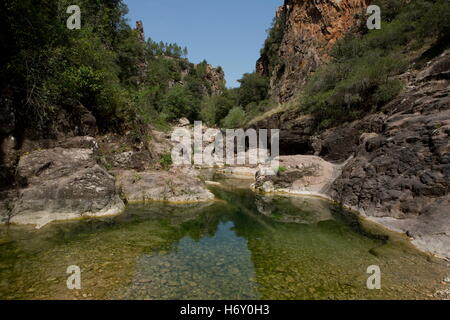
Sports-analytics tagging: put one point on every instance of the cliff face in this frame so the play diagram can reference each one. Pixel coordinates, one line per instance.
(400, 175)
(216, 79)
(396, 165)
(397, 171)
(308, 29)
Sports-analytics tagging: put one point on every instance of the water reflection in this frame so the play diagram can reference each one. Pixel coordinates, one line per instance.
(217, 267)
(245, 247)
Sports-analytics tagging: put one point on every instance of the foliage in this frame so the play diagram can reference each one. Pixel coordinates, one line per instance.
(177, 103)
(234, 119)
(50, 68)
(249, 100)
(215, 108)
(255, 109)
(253, 89)
(47, 70)
(272, 44)
(173, 50)
(281, 169)
(165, 161)
(361, 76)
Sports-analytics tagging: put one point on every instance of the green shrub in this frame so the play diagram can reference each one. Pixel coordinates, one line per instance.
(234, 119)
(255, 109)
(253, 88)
(361, 75)
(166, 161)
(215, 108)
(388, 90)
(177, 103)
(281, 169)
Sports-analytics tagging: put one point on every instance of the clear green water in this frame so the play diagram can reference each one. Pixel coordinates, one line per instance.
(244, 247)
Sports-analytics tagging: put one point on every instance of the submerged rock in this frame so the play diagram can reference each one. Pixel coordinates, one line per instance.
(302, 210)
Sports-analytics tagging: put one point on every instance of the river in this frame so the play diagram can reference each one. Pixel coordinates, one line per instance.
(243, 246)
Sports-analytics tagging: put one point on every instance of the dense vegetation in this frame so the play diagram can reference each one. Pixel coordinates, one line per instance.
(49, 72)
(51, 75)
(361, 76)
(272, 44)
(236, 106)
(48, 67)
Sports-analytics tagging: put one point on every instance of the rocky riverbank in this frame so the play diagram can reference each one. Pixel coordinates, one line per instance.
(397, 161)
(299, 174)
(400, 175)
(179, 185)
(90, 177)
(61, 184)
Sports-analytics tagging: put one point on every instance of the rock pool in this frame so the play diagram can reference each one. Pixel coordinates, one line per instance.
(244, 246)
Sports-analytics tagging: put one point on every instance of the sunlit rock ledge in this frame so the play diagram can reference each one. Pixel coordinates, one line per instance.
(60, 184)
(299, 174)
(179, 185)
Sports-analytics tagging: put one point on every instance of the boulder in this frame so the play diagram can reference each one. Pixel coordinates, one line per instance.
(180, 185)
(400, 176)
(61, 184)
(298, 174)
(302, 210)
(238, 172)
(184, 122)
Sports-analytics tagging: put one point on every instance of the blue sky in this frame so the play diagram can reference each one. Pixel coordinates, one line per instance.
(227, 33)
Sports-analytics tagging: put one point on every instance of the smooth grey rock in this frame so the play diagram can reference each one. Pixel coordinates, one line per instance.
(400, 176)
(61, 184)
(300, 175)
(177, 185)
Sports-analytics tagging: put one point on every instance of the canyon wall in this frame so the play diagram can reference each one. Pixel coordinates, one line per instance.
(307, 31)
(396, 158)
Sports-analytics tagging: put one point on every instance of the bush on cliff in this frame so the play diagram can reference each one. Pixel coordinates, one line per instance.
(361, 75)
(234, 119)
(47, 70)
(253, 89)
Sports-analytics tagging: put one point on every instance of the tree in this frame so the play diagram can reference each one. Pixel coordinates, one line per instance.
(234, 119)
(254, 88)
(178, 103)
(215, 108)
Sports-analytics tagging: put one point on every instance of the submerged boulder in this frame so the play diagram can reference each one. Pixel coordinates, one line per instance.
(301, 210)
